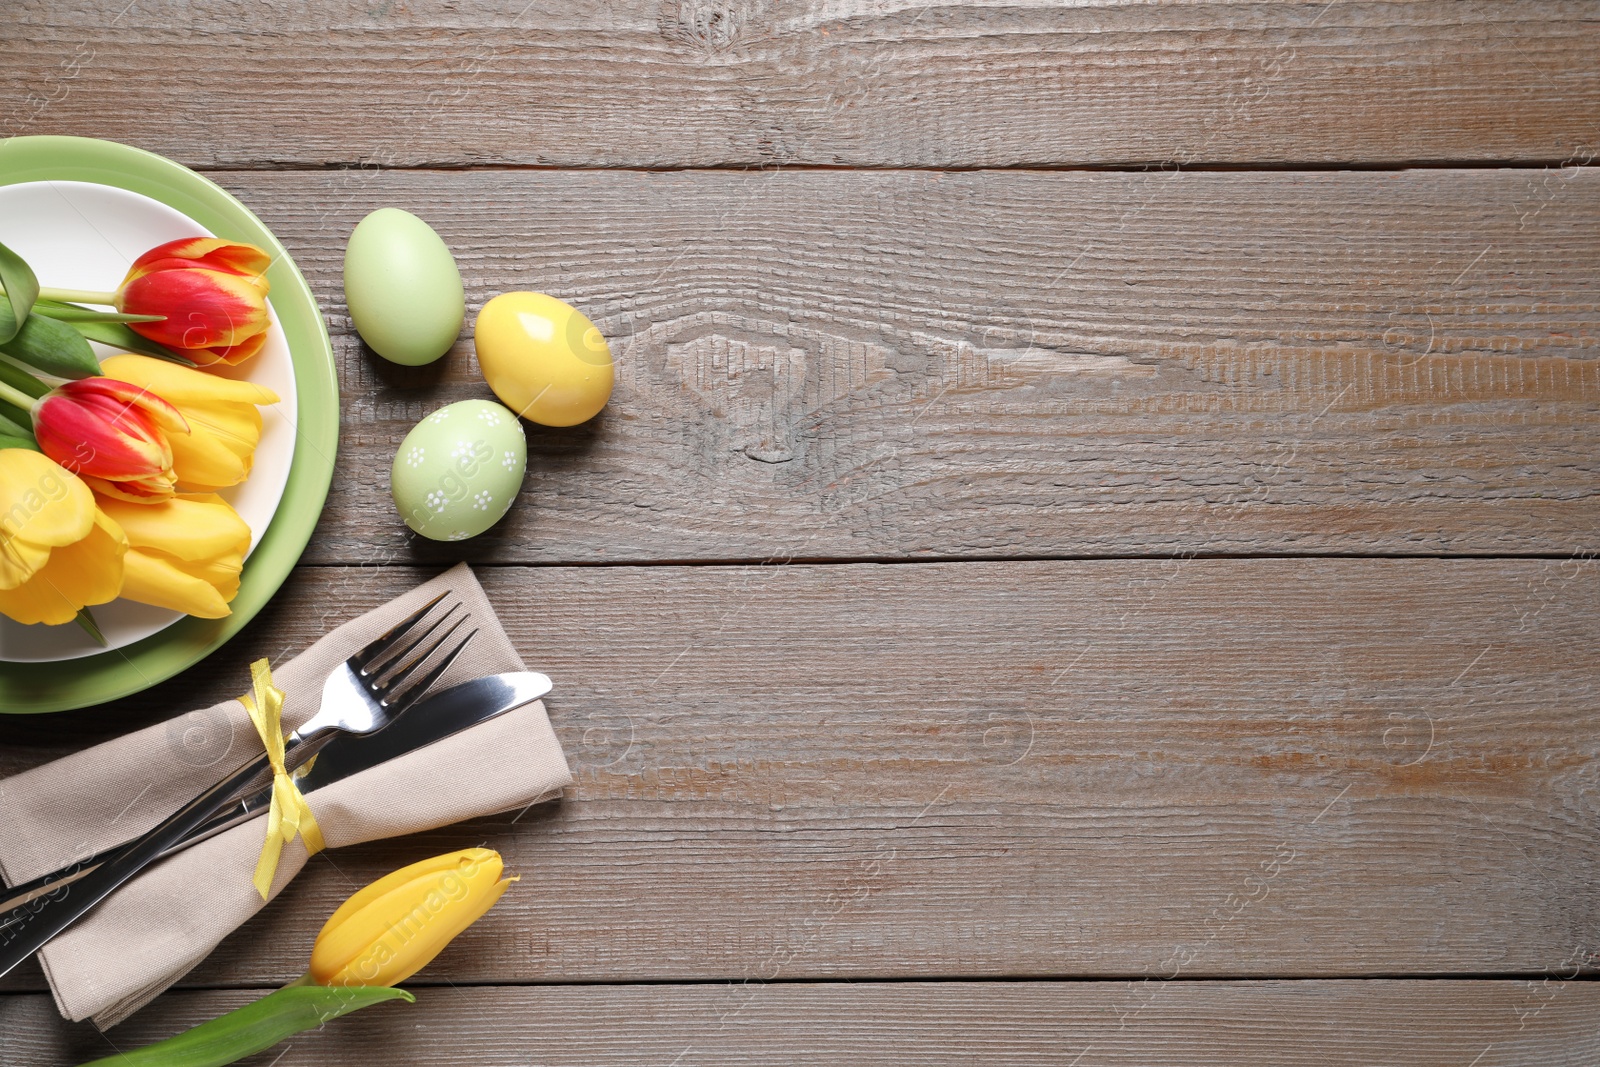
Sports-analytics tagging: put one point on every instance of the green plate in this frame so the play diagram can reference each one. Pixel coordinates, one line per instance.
(61, 686)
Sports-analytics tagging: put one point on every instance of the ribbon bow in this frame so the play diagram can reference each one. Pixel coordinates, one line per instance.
(289, 813)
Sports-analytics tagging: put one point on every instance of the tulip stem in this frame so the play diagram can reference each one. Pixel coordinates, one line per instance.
(17, 398)
(78, 296)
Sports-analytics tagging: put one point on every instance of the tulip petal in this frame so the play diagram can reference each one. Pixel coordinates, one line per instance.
(197, 527)
(78, 575)
(212, 294)
(212, 251)
(149, 578)
(46, 507)
(47, 504)
(79, 440)
(20, 560)
(152, 489)
(181, 385)
(228, 355)
(99, 436)
(221, 451)
(185, 554)
(416, 938)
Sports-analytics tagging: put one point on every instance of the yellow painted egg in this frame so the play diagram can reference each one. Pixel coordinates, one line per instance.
(544, 358)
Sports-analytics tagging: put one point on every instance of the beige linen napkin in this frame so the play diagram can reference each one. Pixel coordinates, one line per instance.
(150, 932)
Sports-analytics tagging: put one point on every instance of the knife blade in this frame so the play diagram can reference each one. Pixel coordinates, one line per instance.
(434, 718)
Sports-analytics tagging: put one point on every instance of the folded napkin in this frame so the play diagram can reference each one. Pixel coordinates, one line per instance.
(150, 932)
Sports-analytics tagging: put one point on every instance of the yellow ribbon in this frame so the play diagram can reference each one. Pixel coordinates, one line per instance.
(289, 814)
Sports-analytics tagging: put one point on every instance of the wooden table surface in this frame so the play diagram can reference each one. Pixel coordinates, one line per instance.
(1090, 559)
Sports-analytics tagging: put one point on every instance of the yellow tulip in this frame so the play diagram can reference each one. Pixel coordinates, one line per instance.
(58, 552)
(184, 553)
(392, 929)
(223, 416)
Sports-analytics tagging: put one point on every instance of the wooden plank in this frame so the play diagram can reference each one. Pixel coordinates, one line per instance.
(1117, 768)
(848, 365)
(853, 82)
(1089, 1024)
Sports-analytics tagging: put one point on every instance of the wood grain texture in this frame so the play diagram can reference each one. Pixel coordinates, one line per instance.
(1105, 769)
(844, 365)
(667, 83)
(1093, 1024)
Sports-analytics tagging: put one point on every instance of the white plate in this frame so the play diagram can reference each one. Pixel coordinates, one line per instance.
(77, 235)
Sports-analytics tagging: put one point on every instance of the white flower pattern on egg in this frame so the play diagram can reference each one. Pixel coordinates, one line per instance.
(510, 461)
(488, 416)
(481, 501)
(436, 500)
(415, 457)
(462, 450)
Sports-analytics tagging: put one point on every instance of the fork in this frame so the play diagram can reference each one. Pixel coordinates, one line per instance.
(361, 696)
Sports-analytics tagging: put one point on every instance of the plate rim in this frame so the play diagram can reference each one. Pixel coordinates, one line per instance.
(34, 688)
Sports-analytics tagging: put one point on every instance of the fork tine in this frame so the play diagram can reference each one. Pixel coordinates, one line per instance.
(392, 636)
(423, 684)
(404, 663)
(412, 641)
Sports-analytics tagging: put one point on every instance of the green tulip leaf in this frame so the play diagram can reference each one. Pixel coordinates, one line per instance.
(12, 428)
(117, 335)
(15, 421)
(21, 380)
(18, 280)
(256, 1026)
(13, 441)
(12, 416)
(47, 345)
(86, 620)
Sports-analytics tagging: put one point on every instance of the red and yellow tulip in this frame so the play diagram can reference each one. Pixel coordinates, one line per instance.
(213, 294)
(112, 433)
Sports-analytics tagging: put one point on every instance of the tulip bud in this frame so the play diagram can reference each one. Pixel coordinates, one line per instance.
(212, 292)
(111, 433)
(394, 927)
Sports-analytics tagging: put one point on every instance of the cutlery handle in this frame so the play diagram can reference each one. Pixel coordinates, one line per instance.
(238, 810)
(31, 925)
(245, 804)
(240, 807)
(36, 922)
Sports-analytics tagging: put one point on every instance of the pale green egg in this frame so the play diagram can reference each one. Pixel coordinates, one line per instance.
(459, 469)
(402, 287)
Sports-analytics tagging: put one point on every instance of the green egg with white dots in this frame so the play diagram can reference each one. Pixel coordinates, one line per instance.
(459, 469)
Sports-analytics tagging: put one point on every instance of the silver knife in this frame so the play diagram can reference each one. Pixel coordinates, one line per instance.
(434, 718)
